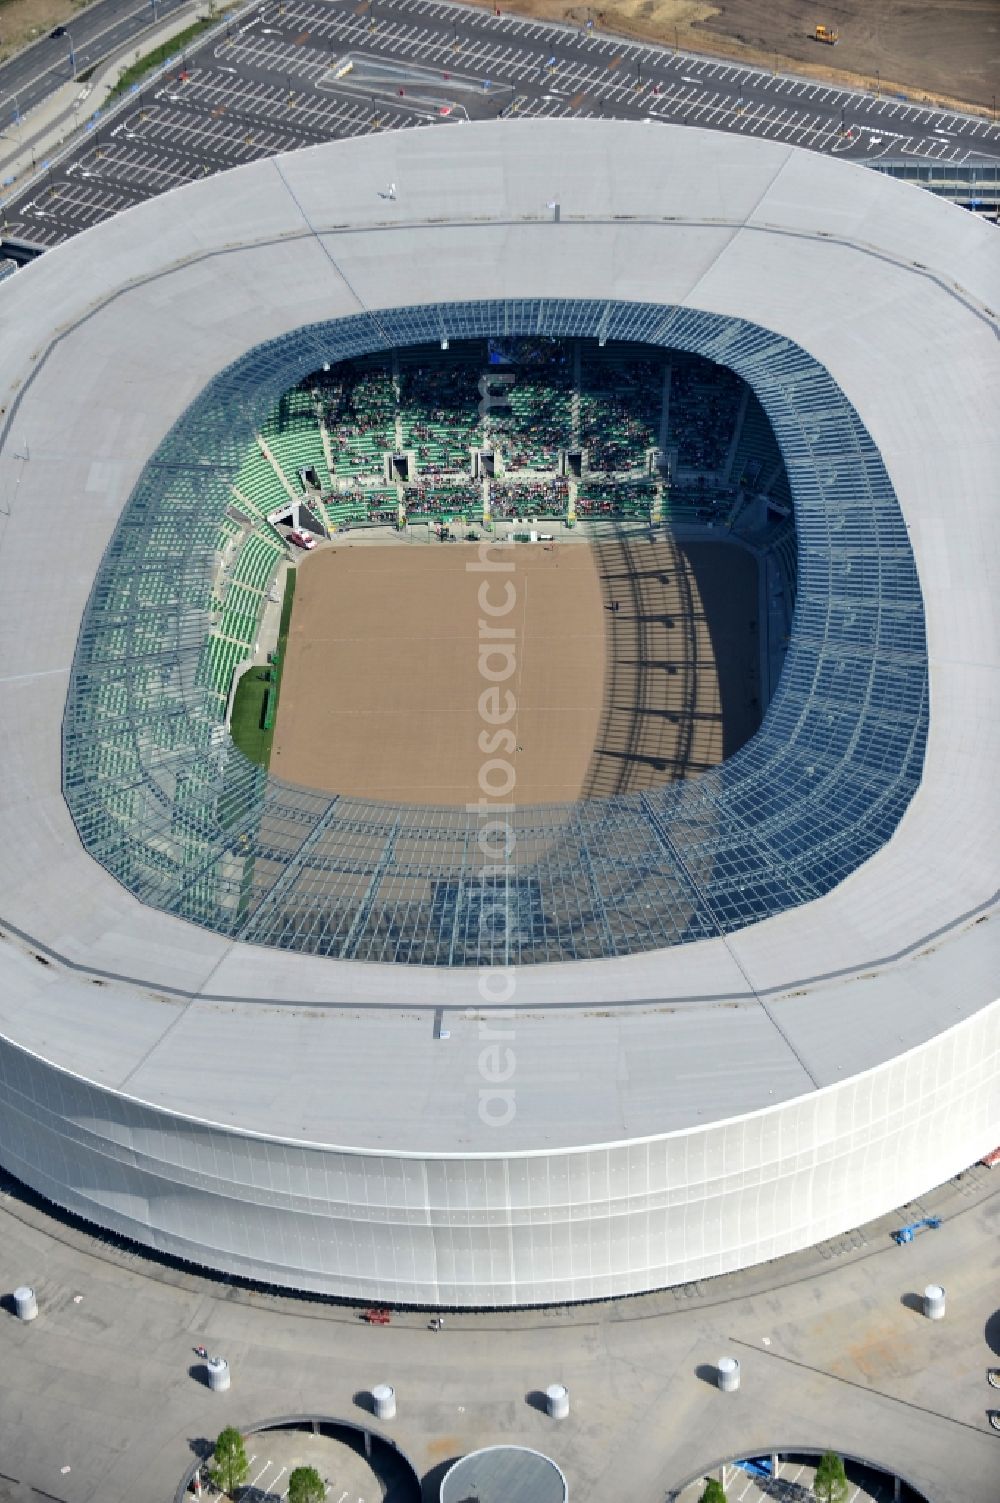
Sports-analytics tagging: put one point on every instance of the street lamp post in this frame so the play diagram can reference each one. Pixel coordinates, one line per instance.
(878, 84)
(56, 36)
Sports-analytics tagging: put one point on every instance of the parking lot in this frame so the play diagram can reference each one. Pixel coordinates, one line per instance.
(268, 1482)
(749, 1482)
(287, 75)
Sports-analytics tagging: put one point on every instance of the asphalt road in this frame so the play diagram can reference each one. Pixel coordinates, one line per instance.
(291, 74)
(30, 76)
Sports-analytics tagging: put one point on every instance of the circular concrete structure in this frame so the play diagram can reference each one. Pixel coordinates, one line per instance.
(687, 1101)
(504, 1474)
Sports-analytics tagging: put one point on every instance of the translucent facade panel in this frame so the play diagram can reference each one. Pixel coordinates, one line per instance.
(550, 1226)
(166, 803)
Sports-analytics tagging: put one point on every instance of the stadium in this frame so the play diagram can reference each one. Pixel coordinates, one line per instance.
(718, 980)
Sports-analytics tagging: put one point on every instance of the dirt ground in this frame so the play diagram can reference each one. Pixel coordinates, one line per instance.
(947, 50)
(682, 662)
(383, 676)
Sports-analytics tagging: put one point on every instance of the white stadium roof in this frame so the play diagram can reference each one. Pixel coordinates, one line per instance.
(105, 342)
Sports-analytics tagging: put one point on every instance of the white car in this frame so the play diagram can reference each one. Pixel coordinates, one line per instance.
(302, 540)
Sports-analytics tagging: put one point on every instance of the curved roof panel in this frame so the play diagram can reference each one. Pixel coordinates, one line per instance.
(111, 338)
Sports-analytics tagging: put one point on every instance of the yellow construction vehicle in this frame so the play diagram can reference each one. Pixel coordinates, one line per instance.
(827, 35)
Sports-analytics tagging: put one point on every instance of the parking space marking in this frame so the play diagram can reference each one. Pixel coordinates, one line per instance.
(275, 83)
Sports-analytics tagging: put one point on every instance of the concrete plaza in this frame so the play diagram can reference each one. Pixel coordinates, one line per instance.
(102, 1397)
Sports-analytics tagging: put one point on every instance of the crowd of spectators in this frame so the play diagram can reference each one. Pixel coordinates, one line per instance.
(359, 409)
(704, 404)
(620, 405)
(439, 412)
(609, 498)
(536, 498)
(428, 404)
(464, 500)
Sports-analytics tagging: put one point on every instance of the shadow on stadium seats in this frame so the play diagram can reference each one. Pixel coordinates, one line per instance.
(669, 712)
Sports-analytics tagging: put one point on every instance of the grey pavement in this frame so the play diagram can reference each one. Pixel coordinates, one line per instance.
(292, 73)
(833, 1347)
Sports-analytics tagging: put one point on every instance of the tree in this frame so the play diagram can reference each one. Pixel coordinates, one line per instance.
(714, 1492)
(229, 1463)
(830, 1482)
(305, 1485)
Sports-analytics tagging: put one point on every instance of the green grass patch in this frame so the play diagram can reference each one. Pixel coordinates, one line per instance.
(247, 722)
(286, 611)
(138, 70)
(255, 702)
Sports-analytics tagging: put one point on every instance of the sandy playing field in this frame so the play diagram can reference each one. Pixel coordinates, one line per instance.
(681, 664)
(390, 687)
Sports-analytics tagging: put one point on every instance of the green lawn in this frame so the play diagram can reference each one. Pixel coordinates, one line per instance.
(247, 723)
(144, 65)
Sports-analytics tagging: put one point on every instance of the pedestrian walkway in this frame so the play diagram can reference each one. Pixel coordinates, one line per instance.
(30, 141)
